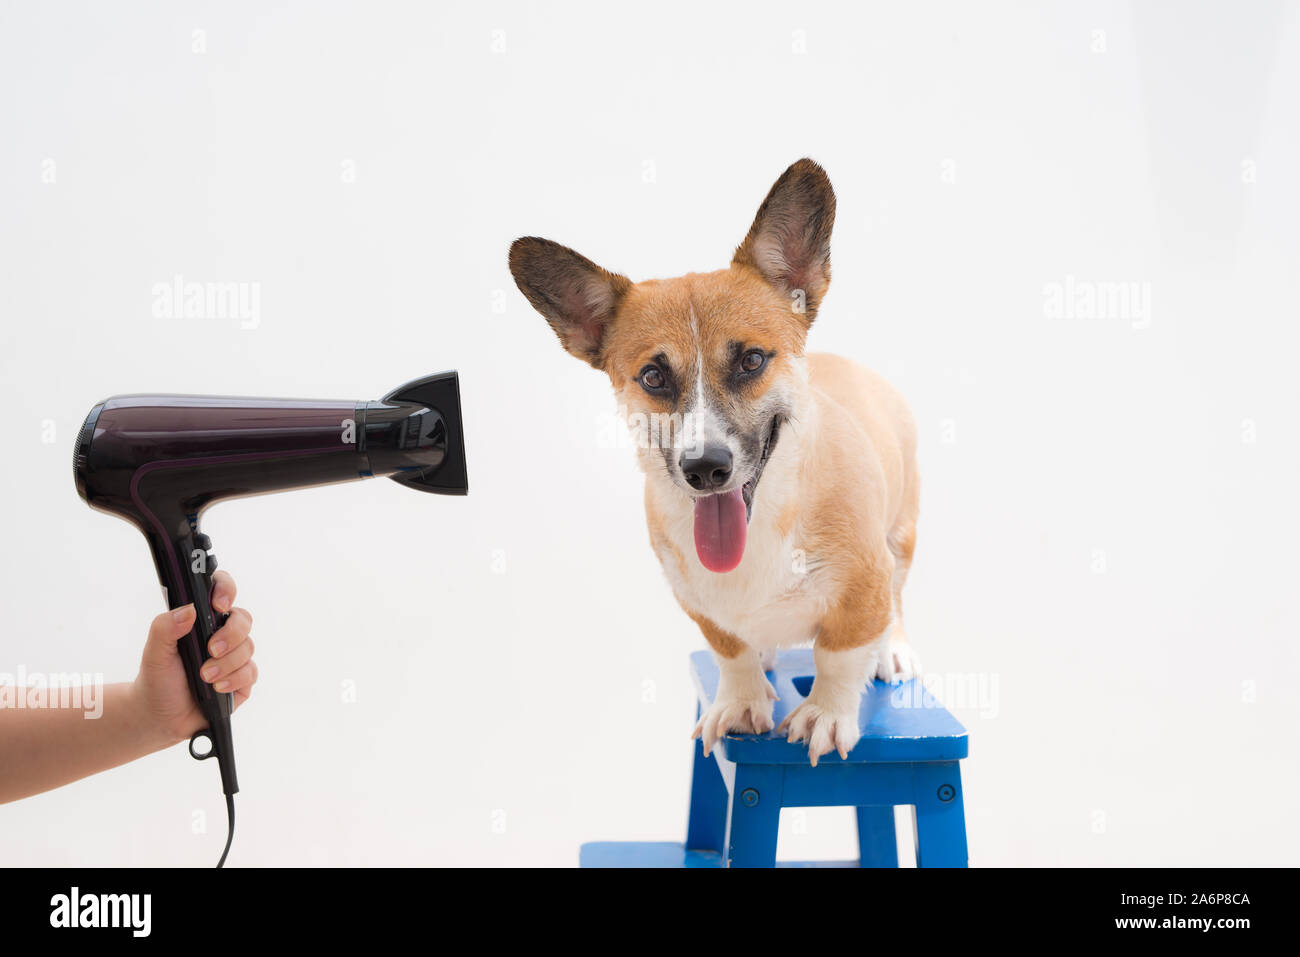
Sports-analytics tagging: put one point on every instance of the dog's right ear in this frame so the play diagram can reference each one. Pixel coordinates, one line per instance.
(576, 296)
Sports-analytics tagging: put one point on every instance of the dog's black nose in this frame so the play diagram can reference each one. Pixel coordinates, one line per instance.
(710, 469)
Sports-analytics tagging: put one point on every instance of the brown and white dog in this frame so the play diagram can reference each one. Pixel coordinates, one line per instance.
(783, 510)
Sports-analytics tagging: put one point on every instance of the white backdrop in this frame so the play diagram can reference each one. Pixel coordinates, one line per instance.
(1106, 567)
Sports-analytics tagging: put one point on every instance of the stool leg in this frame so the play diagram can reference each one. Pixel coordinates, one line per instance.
(706, 829)
(753, 814)
(940, 816)
(877, 840)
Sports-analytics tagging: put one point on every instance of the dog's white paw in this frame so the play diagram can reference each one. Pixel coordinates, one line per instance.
(825, 729)
(896, 662)
(748, 712)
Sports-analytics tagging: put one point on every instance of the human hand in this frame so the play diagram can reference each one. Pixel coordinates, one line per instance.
(161, 689)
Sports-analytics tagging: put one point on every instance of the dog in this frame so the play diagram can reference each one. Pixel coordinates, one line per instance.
(783, 509)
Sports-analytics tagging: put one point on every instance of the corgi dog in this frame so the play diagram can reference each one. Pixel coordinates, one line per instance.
(782, 504)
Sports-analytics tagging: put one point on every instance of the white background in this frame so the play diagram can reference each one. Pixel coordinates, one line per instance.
(1108, 524)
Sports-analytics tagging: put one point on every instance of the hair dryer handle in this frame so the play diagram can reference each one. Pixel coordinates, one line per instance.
(216, 706)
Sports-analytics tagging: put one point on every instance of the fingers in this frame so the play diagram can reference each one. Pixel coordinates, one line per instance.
(241, 679)
(164, 630)
(223, 591)
(172, 624)
(232, 633)
(217, 669)
(231, 667)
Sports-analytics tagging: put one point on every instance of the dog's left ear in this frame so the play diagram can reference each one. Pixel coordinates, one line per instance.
(790, 241)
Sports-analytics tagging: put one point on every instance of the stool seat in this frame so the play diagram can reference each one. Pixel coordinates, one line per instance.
(908, 755)
(902, 722)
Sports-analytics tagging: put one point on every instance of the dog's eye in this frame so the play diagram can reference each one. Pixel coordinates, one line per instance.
(652, 379)
(753, 360)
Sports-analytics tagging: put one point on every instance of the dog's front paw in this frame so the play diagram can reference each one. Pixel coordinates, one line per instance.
(896, 661)
(825, 728)
(747, 713)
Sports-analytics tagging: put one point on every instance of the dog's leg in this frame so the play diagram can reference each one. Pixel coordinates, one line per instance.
(896, 660)
(828, 717)
(845, 654)
(744, 699)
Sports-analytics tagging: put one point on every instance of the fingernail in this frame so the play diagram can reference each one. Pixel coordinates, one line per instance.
(218, 648)
(210, 672)
(182, 614)
(222, 604)
(221, 685)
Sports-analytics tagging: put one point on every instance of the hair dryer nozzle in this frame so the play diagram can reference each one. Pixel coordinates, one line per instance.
(441, 393)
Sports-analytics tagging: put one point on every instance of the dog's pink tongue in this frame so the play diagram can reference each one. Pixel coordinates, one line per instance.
(720, 530)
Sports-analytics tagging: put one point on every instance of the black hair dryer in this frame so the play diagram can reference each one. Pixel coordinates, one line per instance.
(159, 460)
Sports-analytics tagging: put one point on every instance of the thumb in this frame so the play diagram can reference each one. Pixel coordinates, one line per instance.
(164, 632)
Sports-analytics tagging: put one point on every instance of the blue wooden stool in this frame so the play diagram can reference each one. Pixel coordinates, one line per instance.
(908, 754)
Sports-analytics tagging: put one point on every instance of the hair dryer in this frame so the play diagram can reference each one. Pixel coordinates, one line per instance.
(159, 460)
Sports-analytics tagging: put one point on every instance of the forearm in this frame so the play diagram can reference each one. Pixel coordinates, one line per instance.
(44, 748)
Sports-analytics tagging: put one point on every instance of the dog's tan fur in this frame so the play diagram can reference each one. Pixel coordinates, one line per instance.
(833, 524)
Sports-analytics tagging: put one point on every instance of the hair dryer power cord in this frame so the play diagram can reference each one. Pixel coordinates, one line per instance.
(230, 831)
